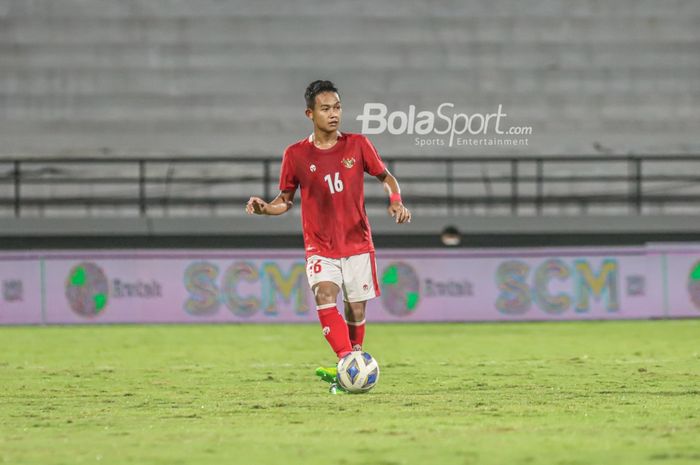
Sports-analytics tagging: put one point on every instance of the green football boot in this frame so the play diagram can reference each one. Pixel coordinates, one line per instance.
(328, 374)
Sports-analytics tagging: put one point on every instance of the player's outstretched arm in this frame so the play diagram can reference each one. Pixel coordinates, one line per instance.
(396, 208)
(281, 204)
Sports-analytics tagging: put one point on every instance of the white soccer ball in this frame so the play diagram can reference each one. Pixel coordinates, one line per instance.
(358, 372)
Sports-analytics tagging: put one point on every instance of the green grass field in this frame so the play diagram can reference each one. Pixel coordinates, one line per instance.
(557, 393)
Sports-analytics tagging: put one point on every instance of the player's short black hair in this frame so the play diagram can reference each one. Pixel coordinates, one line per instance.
(316, 88)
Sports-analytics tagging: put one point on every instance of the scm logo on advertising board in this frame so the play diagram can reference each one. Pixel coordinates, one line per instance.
(245, 288)
(520, 286)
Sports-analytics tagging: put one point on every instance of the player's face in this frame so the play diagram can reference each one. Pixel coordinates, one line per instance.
(327, 112)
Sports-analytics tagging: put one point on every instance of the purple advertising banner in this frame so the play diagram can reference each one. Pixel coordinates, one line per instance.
(20, 292)
(162, 287)
(681, 263)
(214, 286)
(530, 285)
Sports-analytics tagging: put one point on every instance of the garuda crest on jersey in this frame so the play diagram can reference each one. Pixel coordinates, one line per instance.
(348, 162)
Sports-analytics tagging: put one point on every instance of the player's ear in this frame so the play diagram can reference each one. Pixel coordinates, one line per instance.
(309, 113)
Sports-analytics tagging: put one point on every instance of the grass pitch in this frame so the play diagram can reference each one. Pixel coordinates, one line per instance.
(562, 393)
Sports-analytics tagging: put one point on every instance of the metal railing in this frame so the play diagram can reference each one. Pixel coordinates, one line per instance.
(518, 185)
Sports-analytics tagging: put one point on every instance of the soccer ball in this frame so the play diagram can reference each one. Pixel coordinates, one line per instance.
(358, 372)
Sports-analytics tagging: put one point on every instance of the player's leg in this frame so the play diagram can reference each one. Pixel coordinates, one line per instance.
(325, 280)
(360, 284)
(355, 318)
(334, 327)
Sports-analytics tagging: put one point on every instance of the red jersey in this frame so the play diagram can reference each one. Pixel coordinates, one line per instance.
(333, 216)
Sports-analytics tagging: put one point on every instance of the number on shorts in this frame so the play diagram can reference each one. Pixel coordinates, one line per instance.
(317, 266)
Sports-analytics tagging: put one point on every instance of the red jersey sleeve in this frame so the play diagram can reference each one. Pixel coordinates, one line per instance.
(373, 163)
(288, 177)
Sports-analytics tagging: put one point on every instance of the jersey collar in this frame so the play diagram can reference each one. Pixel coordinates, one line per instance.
(311, 137)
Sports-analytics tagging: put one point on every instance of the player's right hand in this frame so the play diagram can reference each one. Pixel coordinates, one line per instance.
(256, 206)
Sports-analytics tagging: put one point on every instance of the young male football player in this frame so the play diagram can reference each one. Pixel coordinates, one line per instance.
(329, 167)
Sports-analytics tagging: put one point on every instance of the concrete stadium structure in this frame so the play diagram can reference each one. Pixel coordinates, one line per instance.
(227, 77)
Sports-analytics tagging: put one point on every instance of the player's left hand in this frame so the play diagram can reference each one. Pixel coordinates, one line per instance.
(399, 213)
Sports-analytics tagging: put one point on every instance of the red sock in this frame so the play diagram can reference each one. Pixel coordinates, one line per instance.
(335, 330)
(357, 332)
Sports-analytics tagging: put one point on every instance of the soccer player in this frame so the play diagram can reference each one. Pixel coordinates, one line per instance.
(329, 167)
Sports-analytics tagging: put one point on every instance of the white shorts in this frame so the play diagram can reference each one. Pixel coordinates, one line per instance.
(355, 275)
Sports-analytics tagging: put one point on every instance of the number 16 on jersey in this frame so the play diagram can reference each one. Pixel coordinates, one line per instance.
(335, 185)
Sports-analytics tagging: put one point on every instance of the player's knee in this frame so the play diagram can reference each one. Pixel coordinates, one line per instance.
(323, 298)
(354, 312)
(325, 295)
